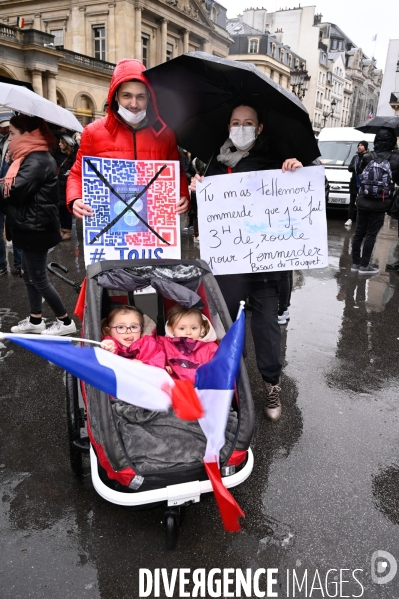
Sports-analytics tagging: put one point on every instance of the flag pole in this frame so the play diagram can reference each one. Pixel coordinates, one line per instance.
(375, 43)
(48, 338)
(240, 309)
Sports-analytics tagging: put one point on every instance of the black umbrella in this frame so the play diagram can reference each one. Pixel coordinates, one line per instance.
(378, 122)
(196, 91)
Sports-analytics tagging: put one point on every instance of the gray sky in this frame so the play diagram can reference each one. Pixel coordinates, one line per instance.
(359, 19)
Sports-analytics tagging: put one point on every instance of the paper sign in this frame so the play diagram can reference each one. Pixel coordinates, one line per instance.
(263, 221)
(131, 238)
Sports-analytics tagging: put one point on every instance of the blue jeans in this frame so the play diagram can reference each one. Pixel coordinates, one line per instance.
(3, 260)
(17, 256)
(17, 253)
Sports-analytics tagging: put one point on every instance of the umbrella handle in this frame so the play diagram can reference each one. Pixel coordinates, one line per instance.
(52, 265)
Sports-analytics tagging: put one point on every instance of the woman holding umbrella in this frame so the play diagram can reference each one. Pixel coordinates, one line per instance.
(246, 150)
(29, 192)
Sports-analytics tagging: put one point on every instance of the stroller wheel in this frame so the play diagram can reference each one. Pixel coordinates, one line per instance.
(172, 520)
(74, 417)
(171, 531)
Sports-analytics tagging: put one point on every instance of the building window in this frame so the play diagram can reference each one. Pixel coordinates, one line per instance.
(253, 47)
(282, 54)
(99, 42)
(58, 37)
(145, 42)
(169, 52)
(273, 50)
(272, 74)
(84, 110)
(215, 13)
(290, 60)
(280, 79)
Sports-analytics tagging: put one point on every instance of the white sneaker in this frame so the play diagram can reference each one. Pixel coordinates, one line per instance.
(348, 223)
(25, 326)
(59, 328)
(284, 318)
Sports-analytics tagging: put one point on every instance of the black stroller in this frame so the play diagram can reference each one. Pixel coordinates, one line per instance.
(118, 476)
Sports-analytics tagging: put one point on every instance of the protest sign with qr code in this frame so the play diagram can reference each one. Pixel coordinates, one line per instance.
(149, 228)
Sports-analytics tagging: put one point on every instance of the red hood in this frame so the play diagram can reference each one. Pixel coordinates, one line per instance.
(128, 69)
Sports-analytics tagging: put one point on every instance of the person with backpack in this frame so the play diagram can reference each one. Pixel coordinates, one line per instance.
(379, 173)
(354, 183)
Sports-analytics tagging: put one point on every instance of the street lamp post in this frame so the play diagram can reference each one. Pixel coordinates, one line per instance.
(328, 113)
(299, 81)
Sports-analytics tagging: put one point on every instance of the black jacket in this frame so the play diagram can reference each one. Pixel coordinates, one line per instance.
(32, 206)
(353, 186)
(384, 143)
(65, 164)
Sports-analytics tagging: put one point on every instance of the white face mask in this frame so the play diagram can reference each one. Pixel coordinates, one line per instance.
(242, 137)
(131, 117)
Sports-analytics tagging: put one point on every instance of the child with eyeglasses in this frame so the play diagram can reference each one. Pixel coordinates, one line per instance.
(122, 332)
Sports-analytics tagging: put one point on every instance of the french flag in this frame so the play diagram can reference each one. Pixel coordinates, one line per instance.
(153, 389)
(128, 380)
(215, 383)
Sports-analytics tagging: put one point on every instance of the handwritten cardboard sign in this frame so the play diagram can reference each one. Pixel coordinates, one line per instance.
(130, 238)
(263, 221)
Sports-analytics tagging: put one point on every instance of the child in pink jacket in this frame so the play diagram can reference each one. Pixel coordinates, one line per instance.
(123, 335)
(189, 342)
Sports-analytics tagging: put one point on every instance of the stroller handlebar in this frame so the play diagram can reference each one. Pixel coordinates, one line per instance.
(52, 265)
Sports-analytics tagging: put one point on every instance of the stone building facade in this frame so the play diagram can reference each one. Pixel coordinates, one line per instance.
(340, 71)
(360, 69)
(388, 104)
(263, 49)
(68, 50)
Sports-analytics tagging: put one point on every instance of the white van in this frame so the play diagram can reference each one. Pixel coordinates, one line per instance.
(337, 147)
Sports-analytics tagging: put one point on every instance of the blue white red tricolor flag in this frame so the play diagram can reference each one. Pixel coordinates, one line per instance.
(215, 383)
(128, 380)
(374, 38)
(370, 114)
(153, 389)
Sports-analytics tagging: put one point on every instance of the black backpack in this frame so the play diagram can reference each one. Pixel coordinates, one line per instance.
(376, 179)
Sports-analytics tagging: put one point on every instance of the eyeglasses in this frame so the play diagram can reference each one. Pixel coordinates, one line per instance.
(122, 329)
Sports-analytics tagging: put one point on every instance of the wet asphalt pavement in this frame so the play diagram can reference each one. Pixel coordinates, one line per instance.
(324, 492)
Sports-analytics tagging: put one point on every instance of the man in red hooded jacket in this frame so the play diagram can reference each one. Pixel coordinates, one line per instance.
(132, 130)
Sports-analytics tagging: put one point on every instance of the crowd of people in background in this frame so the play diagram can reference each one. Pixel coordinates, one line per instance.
(372, 189)
(63, 150)
(29, 197)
